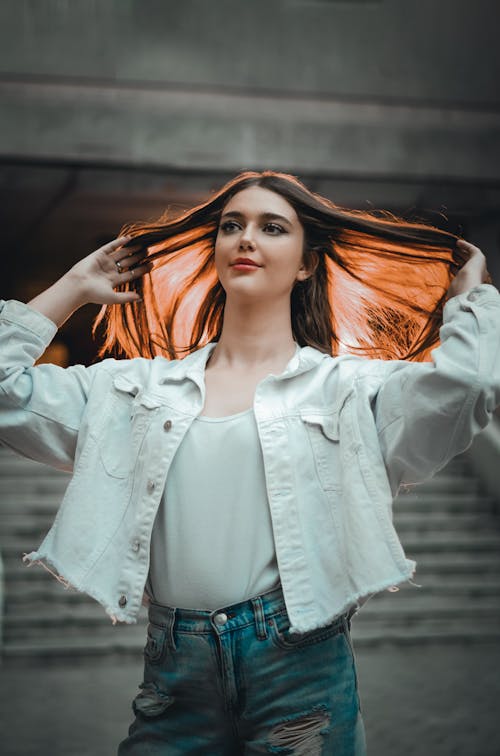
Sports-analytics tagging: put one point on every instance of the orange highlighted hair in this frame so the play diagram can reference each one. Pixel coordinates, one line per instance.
(378, 289)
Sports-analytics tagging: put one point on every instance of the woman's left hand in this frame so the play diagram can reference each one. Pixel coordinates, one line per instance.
(473, 273)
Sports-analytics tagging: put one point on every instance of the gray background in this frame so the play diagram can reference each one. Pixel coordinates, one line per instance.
(110, 110)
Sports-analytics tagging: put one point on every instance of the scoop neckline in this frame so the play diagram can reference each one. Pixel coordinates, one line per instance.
(221, 419)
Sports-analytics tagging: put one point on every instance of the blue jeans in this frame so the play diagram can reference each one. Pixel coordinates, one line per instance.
(235, 681)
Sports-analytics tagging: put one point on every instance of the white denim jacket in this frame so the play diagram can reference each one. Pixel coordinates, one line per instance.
(338, 436)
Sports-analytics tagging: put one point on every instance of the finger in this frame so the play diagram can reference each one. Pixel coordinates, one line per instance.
(126, 297)
(132, 273)
(115, 244)
(468, 246)
(127, 261)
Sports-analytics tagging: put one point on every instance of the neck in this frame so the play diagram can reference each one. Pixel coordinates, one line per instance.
(254, 335)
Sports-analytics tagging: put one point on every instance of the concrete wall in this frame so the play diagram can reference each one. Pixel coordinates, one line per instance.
(393, 88)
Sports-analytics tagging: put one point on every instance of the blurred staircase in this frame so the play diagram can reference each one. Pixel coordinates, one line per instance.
(446, 525)
(452, 531)
(41, 617)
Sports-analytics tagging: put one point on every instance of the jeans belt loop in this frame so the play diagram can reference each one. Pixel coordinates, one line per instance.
(170, 630)
(260, 618)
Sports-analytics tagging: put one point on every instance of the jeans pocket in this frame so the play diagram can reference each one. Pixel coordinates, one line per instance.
(156, 644)
(279, 627)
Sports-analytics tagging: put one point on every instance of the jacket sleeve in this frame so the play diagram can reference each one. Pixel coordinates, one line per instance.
(41, 407)
(427, 413)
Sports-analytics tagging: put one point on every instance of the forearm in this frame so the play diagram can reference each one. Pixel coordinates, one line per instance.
(60, 300)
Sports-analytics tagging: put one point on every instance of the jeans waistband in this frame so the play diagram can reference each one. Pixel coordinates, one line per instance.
(257, 610)
(229, 617)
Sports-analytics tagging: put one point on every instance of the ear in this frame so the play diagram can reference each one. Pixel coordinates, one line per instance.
(306, 270)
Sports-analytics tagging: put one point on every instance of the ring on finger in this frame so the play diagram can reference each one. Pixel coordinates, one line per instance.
(118, 266)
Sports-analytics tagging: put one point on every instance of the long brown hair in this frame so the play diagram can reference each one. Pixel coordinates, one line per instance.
(378, 289)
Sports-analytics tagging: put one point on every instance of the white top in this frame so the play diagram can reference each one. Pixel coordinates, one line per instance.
(212, 542)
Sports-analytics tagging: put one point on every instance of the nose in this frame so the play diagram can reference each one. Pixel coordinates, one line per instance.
(246, 240)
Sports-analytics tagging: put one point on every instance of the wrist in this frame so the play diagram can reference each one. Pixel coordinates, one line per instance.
(72, 288)
(60, 300)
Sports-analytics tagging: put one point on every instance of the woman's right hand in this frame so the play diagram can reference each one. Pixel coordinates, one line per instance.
(96, 276)
(93, 280)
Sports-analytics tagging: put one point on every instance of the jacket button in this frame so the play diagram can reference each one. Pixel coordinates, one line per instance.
(472, 295)
(151, 486)
(122, 601)
(136, 545)
(167, 425)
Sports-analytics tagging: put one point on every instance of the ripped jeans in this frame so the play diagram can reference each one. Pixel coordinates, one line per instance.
(235, 682)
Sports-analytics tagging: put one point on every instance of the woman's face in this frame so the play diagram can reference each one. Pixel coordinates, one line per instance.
(259, 245)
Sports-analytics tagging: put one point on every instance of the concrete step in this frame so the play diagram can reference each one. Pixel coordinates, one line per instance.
(459, 563)
(450, 586)
(429, 502)
(12, 463)
(12, 470)
(453, 542)
(23, 526)
(13, 486)
(419, 602)
(444, 631)
(51, 594)
(457, 522)
(77, 647)
(45, 505)
(447, 482)
(37, 622)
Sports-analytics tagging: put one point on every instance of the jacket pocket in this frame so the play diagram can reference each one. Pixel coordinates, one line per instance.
(323, 433)
(125, 421)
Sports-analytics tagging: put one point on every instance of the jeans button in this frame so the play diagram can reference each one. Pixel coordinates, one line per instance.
(220, 619)
(122, 601)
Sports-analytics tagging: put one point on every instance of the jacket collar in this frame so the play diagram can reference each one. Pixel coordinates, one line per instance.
(193, 365)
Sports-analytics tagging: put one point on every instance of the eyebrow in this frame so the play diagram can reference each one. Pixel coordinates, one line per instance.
(263, 216)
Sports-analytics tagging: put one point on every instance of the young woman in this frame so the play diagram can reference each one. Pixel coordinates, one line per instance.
(245, 490)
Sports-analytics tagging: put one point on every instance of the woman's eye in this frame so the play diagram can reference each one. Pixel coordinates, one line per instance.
(274, 228)
(229, 225)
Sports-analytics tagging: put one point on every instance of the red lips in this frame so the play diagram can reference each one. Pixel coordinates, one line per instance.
(245, 261)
